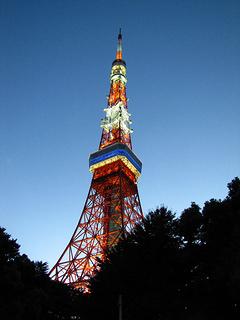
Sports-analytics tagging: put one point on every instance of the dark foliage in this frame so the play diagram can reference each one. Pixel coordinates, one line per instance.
(175, 268)
(26, 292)
(168, 268)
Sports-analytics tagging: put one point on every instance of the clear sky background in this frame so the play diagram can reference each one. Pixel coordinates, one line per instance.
(183, 61)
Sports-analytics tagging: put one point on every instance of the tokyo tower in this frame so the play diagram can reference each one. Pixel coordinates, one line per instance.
(112, 207)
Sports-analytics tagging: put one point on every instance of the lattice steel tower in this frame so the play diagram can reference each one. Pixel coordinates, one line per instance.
(113, 206)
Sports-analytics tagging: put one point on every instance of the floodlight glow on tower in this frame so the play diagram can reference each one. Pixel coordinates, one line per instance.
(112, 207)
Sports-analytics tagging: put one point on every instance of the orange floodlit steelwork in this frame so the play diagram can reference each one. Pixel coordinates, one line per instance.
(112, 208)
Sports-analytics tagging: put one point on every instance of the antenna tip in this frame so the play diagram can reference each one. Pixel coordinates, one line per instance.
(120, 34)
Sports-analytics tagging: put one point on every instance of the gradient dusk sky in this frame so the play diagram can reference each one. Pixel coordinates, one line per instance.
(183, 60)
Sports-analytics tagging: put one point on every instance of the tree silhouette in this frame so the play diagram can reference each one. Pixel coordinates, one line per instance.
(169, 267)
(26, 290)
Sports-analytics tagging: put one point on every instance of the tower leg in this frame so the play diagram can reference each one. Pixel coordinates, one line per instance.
(111, 211)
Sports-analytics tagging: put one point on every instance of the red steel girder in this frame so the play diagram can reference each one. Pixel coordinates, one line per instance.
(111, 210)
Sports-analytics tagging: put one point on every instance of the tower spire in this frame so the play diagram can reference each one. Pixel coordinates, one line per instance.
(117, 124)
(119, 46)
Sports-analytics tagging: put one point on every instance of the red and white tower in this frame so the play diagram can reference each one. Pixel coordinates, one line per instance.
(112, 207)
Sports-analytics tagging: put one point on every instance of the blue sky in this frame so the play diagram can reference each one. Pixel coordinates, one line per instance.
(183, 89)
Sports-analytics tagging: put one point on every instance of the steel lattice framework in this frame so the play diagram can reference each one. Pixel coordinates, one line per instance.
(113, 206)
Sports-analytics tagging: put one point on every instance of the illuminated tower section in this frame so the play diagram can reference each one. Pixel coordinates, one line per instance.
(116, 125)
(112, 207)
